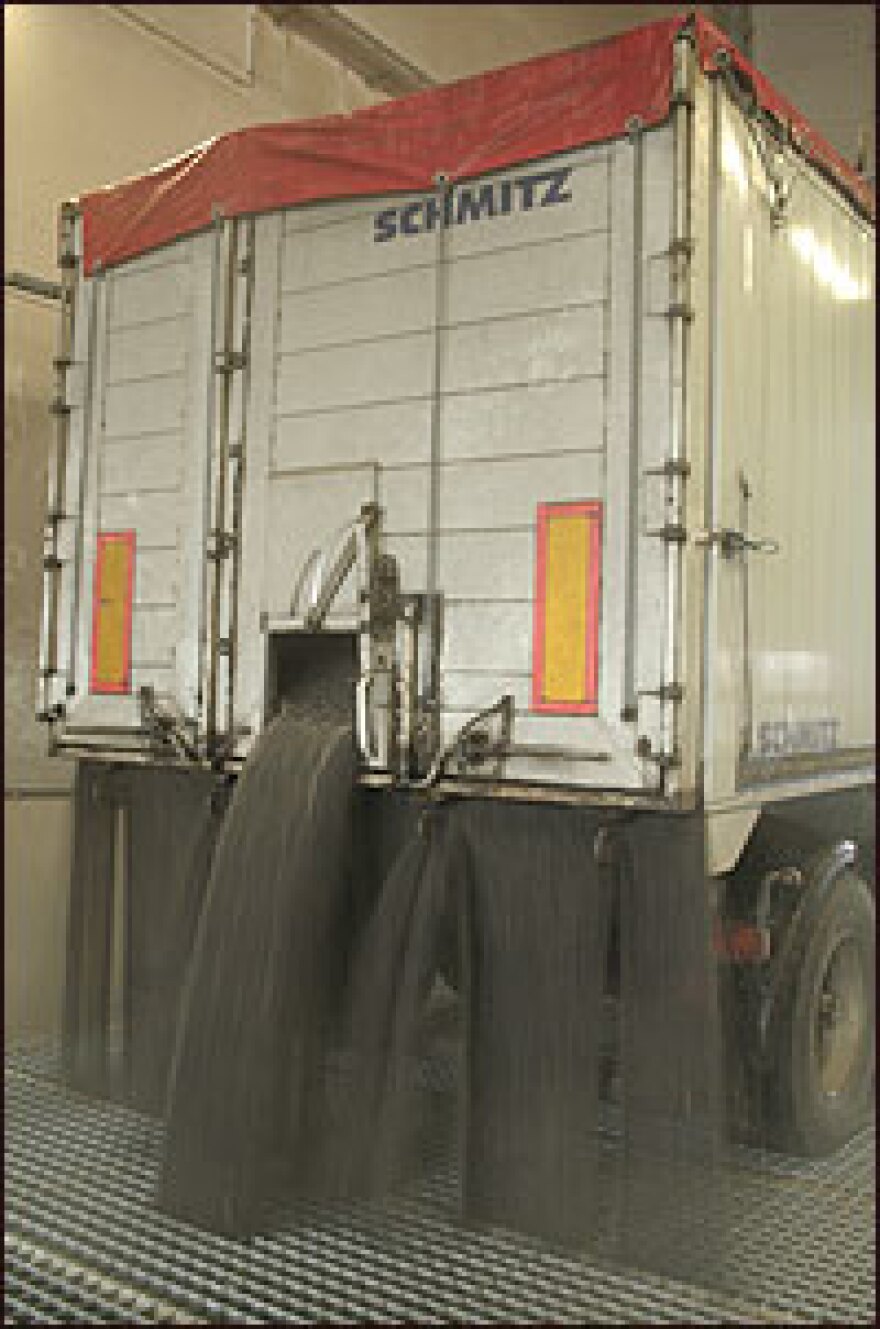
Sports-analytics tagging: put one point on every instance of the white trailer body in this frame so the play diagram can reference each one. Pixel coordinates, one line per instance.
(618, 417)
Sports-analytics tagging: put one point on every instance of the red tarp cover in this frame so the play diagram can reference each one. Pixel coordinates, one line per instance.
(485, 123)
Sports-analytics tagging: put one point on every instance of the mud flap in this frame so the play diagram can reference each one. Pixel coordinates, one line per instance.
(534, 933)
(673, 1102)
(169, 834)
(173, 827)
(89, 932)
(542, 1154)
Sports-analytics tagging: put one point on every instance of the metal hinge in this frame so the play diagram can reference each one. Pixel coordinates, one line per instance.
(672, 533)
(732, 542)
(666, 692)
(665, 760)
(221, 544)
(683, 246)
(673, 467)
(229, 362)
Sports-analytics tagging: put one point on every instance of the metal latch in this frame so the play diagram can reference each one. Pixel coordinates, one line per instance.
(732, 542)
(473, 744)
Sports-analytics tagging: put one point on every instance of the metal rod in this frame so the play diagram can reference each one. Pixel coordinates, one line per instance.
(314, 619)
(97, 283)
(549, 751)
(66, 247)
(630, 700)
(679, 338)
(38, 286)
(713, 426)
(239, 480)
(135, 19)
(22, 793)
(441, 197)
(220, 492)
(209, 457)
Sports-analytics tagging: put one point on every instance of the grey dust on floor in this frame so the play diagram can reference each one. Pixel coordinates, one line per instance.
(84, 1241)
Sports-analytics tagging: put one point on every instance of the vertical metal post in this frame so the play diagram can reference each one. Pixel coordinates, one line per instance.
(630, 700)
(209, 459)
(745, 746)
(239, 456)
(713, 361)
(680, 313)
(60, 407)
(88, 408)
(219, 532)
(443, 196)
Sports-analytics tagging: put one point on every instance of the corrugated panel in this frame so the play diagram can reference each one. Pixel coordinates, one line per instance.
(136, 410)
(151, 350)
(522, 416)
(796, 417)
(149, 367)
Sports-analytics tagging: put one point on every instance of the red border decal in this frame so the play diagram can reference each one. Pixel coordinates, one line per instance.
(592, 511)
(96, 683)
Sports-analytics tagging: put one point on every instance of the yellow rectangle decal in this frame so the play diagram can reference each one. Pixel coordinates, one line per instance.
(565, 662)
(565, 608)
(111, 613)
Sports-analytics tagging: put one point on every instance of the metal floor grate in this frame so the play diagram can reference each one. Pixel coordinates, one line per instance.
(84, 1241)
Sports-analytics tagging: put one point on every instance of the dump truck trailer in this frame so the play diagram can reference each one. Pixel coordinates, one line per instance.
(529, 420)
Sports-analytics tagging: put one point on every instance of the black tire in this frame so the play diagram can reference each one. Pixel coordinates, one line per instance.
(826, 1061)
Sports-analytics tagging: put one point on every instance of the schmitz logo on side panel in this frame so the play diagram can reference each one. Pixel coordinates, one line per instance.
(474, 203)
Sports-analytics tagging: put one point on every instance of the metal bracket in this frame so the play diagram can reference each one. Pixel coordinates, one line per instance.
(732, 542)
(220, 545)
(672, 468)
(165, 724)
(672, 533)
(683, 247)
(664, 760)
(472, 745)
(673, 692)
(229, 362)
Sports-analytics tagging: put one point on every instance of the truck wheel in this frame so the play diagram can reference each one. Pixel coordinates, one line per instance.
(827, 1048)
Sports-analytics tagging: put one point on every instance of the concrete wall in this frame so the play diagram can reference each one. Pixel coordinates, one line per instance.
(824, 59)
(91, 97)
(451, 41)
